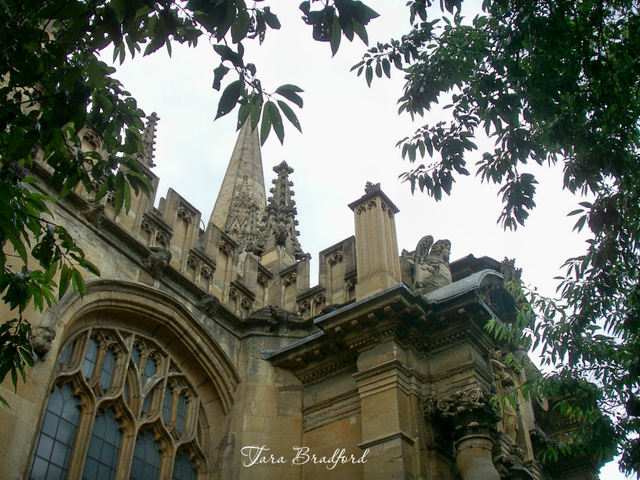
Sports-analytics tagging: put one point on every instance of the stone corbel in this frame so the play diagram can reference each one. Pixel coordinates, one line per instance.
(157, 260)
(209, 304)
(94, 212)
(41, 338)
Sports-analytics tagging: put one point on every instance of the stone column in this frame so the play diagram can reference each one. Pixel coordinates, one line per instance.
(474, 459)
(472, 418)
(377, 260)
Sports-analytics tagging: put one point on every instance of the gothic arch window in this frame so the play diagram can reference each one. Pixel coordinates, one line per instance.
(120, 407)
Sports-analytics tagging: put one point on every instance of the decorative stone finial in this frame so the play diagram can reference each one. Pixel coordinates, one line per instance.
(280, 216)
(149, 141)
(371, 187)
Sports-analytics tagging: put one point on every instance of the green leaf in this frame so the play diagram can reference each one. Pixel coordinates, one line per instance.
(276, 120)
(265, 126)
(290, 92)
(271, 19)
(361, 31)
(336, 35)
(65, 276)
(119, 197)
(229, 98)
(368, 74)
(289, 113)
(240, 26)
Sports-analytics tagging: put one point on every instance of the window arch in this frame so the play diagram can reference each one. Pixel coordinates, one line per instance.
(119, 406)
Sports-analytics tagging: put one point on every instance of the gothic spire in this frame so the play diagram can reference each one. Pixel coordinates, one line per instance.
(149, 141)
(241, 201)
(280, 217)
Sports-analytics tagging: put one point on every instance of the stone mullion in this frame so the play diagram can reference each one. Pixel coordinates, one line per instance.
(83, 434)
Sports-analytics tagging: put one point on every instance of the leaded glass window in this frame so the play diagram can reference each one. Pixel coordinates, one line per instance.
(65, 356)
(108, 365)
(104, 447)
(183, 468)
(149, 369)
(181, 415)
(146, 458)
(136, 403)
(57, 435)
(166, 406)
(90, 357)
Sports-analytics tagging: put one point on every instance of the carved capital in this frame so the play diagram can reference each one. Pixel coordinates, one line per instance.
(467, 411)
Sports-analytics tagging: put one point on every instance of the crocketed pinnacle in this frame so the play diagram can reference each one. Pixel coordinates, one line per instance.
(149, 141)
(242, 199)
(280, 217)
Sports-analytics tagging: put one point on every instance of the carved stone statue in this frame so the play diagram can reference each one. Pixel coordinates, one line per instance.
(431, 265)
(504, 385)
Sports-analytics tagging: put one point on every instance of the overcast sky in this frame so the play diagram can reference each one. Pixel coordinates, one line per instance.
(349, 136)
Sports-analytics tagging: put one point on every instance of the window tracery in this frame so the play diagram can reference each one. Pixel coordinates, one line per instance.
(119, 404)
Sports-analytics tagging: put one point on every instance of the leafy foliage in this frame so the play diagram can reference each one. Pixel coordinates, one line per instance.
(56, 90)
(549, 82)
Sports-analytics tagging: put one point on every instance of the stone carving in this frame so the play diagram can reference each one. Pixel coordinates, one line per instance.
(147, 227)
(509, 270)
(41, 338)
(93, 213)
(262, 280)
(157, 261)
(462, 401)
(148, 141)
(431, 265)
(371, 188)
(244, 220)
(192, 262)
(468, 411)
(335, 257)
(280, 215)
(505, 386)
(206, 272)
(92, 139)
(226, 249)
(209, 304)
(290, 279)
(304, 307)
(185, 215)
(162, 240)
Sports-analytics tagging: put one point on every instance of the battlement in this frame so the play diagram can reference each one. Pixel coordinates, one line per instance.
(248, 257)
(221, 266)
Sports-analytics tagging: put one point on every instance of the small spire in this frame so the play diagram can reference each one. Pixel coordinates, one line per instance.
(149, 141)
(280, 217)
(241, 201)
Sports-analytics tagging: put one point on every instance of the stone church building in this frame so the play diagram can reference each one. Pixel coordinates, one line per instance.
(205, 353)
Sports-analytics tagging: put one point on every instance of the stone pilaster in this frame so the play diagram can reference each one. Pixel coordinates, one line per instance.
(384, 385)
